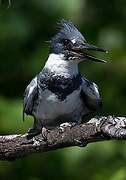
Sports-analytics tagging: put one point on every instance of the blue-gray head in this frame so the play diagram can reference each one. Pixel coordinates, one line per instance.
(70, 42)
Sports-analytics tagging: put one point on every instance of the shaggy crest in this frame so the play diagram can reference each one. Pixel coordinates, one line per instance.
(67, 31)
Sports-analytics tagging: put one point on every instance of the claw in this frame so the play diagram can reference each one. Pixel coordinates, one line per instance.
(65, 125)
(44, 132)
(32, 132)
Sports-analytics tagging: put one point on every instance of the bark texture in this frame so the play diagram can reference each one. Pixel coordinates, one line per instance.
(97, 129)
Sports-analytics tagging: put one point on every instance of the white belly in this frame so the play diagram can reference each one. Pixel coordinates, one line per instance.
(50, 107)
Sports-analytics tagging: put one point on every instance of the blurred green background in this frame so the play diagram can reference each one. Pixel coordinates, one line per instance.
(25, 28)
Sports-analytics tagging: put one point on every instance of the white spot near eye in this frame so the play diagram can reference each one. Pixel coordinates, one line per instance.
(73, 41)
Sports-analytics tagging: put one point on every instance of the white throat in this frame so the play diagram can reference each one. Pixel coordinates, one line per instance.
(56, 63)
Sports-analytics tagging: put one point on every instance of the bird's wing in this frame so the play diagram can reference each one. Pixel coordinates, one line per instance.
(90, 95)
(30, 95)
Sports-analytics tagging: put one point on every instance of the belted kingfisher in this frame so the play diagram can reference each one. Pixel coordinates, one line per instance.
(59, 93)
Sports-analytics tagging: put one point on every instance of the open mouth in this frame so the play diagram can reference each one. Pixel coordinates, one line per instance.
(80, 51)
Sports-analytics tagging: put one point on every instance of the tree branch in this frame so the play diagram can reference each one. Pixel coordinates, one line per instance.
(97, 129)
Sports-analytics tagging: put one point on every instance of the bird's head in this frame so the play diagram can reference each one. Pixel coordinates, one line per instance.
(72, 44)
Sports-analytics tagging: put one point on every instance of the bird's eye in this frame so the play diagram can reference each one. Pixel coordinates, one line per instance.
(67, 43)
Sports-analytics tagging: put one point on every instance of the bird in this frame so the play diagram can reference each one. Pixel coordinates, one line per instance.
(59, 93)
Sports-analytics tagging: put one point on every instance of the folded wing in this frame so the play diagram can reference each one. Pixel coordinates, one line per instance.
(30, 95)
(90, 95)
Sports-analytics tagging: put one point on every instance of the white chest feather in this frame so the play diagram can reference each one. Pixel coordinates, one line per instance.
(57, 63)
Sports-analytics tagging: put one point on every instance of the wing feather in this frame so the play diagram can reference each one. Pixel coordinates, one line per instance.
(30, 95)
(90, 95)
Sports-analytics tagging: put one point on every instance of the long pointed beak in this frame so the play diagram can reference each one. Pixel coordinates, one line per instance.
(92, 58)
(88, 56)
(93, 48)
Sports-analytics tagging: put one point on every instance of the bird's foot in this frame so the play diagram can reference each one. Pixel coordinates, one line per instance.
(33, 132)
(44, 132)
(66, 125)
